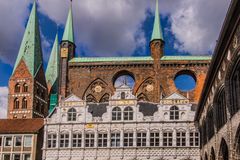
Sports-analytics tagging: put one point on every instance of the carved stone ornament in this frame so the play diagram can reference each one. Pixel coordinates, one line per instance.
(149, 87)
(98, 89)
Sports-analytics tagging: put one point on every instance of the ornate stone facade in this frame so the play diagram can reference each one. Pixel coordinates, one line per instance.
(218, 112)
(122, 128)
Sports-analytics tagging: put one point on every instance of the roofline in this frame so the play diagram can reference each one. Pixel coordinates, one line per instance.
(221, 46)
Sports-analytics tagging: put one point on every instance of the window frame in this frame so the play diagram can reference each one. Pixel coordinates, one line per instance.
(174, 113)
(102, 140)
(64, 140)
(5, 141)
(154, 140)
(167, 138)
(15, 141)
(128, 114)
(72, 115)
(115, 139)
(89, 140)
(128, 139)
(141, 139)
(180, 138)
(77, 140)
(116, 114)
(52, 140)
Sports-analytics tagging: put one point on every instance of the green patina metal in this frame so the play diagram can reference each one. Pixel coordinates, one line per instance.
(110, 59)
(53, 102)
(53, 66)
(157, 28)
(30, 50)
(68, 34)
(190, 58)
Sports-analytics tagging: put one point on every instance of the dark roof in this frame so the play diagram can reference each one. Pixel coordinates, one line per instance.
(9, 126)
(96, 109)
(147, 109)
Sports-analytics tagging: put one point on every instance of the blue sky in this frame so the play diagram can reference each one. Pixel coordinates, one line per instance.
(112, 28)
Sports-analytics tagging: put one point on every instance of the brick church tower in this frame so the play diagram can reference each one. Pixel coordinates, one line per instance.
(28, 94)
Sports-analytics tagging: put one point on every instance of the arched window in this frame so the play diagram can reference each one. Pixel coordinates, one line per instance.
(234, 85)
(16, 103)
(116, 114)
(122, 95)
(25, 87)
(128, 113)
(174, 113)
(210, 124)
(221, 110)
(17, 88)
(223, 152)
(212, 156)
(72, 114)
(24, 103)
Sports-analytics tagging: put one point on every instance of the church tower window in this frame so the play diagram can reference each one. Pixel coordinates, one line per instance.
(24, 103)
(16, 103)
(17, 88)
(25, 88)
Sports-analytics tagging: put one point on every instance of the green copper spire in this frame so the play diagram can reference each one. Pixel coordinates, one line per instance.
(68, 34)
(30, 50)
(157, 29)
(53, 67)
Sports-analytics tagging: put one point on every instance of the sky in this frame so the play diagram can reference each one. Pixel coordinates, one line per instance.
(111, 28)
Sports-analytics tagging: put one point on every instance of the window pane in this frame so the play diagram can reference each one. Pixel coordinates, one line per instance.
(18, 141)
(26, 157)
(16, 157)
(27, 141)
(8, 141)
(6, 157)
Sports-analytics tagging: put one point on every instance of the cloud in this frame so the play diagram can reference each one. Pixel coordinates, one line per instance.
(3, 101)
(13, 15)
(110, 28)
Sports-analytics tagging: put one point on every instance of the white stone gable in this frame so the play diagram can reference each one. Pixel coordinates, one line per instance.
(176, 96)
(72, 98)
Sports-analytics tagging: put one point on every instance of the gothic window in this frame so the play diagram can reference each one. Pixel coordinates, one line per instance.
(141, 139)
(212, 156)
(17, 88)
(115, 139)
(223, 152)
(64, 140)
(167, 138)
(72, 114)
(51, 140)
(142, 97)
(234, 90)
(122, 95)
(105, 98)
(25, 87)
(194, 138)
(16, 103)
(128, 113)
(102, 140)
(77, 140)
(174, 113)
(181, 138)
(221, 112)
(91, 99)
(204, 133)
(210, 124)
(89, 140)
(24, 103)
(116, 114)
(128, 139)
(154, 139)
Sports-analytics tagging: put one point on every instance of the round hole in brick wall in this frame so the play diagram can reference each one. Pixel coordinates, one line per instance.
(185, 80)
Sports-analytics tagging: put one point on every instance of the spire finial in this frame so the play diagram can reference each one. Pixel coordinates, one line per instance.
(68, 34)
(157, 30)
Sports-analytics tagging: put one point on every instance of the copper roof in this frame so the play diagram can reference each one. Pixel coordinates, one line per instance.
(9, 126)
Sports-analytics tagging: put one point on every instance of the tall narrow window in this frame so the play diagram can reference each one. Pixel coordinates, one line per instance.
(17, 141)
(181, 139)
(72, 114)
(25, 88)
(141, 139)
(234, 85)
(128, 113)
(115, 139)
(64, 140)
(194, 139)
(24, 103)
(17, 88)
(221, 110)
(52, 141)
(76, 140)
(154, 139)
(16, 103)
(8, 141)
(116, 114)
(122, 95)
(102, 140)
(128, 139)
(174, 113)
(167, 138)
(89, 140)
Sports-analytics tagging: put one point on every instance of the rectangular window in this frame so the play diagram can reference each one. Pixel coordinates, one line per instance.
(194, 139)
(141, 139)
(0, 141)
(6, 156)
(115, 139)
(77, 140)
(128, 139)
(167, 139)
(64, 140)
(154, 139)
(8, 141)
(26, 156)
(27, 141)
(89, 140)
(16, 156)
(102, 140)
(52, 140)
(17, 141)
(181, 139)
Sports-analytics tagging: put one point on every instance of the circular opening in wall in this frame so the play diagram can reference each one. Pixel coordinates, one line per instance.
(124, 77)
(185, 80)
